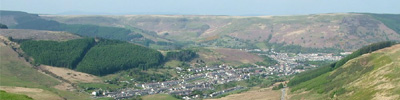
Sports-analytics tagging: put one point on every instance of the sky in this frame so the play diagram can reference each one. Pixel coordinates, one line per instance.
(201, 7)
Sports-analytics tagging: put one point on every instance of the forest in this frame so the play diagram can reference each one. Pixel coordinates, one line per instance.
(62, 54)
(2, 26)
(106, 58)
(86, 55)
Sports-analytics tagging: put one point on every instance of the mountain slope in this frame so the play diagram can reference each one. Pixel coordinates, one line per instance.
(348, 31)
(370, 76)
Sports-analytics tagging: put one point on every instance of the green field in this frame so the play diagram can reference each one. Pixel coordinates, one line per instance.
(11, 96)
(159, 97)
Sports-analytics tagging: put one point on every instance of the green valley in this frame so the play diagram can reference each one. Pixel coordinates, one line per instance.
(334, 56)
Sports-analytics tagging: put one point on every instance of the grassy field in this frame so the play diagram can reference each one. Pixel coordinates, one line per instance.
(35, 93)
(72, 75)
(11, 96)
(159, 97)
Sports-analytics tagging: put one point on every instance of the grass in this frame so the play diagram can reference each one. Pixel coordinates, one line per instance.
(159, 97)
(314, 83)
(261, 45)
(15, 72)
(11, 96)
(362, 94)
(173, 63)
(359, 79)
(232, 92)
(105, 98)
(308, 95)
(98, 86)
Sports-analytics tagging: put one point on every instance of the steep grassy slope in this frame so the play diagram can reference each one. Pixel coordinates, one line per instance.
(370, 76)
(342, 31)
(12, 67)
(17, 76)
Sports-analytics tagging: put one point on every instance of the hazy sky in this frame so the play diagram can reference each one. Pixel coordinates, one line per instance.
(201, 7)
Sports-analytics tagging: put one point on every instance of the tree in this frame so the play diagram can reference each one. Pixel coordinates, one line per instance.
(2, 26)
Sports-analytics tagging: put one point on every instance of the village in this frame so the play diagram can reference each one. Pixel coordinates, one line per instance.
(204, 78)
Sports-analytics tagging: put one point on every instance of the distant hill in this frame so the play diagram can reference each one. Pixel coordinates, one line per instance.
(346, 31)
(22, 20)
(370, 76)
(37, 34)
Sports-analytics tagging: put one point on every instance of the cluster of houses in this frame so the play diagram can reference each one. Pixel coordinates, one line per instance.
(205, 78)
(289, 61)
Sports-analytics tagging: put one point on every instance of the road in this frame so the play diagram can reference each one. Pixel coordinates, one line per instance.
(283, 94)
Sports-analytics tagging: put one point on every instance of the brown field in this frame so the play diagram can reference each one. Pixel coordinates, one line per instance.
(71, 75)
(35, 93)
(255, 94)
(233, 55)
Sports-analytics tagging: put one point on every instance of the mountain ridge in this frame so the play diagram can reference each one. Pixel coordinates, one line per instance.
(317, 30)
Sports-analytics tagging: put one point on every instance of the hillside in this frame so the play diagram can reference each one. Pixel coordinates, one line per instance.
(348, 31)
(23, 20)
(370, 76)
(37, 34)
(18, 77)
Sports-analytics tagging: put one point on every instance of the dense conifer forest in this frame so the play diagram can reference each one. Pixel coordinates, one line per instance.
(99, 58)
